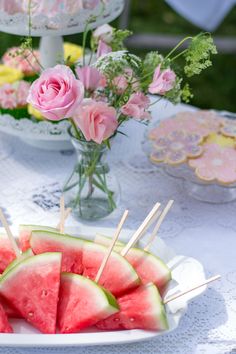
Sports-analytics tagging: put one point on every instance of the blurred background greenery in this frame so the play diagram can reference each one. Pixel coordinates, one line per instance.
(214, 88)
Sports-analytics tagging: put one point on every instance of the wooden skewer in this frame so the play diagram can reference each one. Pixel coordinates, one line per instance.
(210, 280)
(67, 213)
(142, 228)
(62, 215)
(114, 239)
(14, 245)
(158, 224)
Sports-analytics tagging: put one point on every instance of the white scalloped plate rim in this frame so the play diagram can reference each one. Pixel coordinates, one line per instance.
(186, 271)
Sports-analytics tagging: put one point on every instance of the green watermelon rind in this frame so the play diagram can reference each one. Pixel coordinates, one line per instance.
(161, 313)
(133, 274)
(28, 262)
(157, 260)
(28, 253)
(109, 300)
(61, 238)
(30, 227)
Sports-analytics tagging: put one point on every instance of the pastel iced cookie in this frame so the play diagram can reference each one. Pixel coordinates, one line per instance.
(221, 140)
(229, 128)
(200, 122)
(176, 147)
(217, 163)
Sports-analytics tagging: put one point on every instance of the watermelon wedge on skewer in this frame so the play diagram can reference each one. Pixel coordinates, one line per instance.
(5, 326)
(7, 254)
(70, 247)
(118, 276)
(149, 268)
(142, 308)
(25, 234)
(82, 303)
(32, 288)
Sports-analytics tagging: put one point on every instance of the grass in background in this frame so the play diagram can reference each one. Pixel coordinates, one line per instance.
(214, 88)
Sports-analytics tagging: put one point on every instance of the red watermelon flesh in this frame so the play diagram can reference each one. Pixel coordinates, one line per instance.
(70, 247)
(149, 267)
(25, 234)
(5, 326)
(7, 255)
(9, 310)
(32, 287)
(142, 308)
(118, 276)
(82, 303)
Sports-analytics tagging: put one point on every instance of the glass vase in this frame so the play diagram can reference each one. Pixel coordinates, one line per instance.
(92, 191)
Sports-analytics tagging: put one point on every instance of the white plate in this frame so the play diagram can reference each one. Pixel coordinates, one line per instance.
(186, 272)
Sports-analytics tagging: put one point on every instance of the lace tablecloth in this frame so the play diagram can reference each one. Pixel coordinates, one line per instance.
(31, 181)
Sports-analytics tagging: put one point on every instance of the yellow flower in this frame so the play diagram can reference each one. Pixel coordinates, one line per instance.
(9, 75)
(72, 52)
(34, 112)
(220, 140)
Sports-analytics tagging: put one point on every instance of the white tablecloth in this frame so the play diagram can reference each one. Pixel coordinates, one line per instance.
(30, 182)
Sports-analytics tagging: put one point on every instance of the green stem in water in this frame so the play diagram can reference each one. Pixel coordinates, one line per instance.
(77, 133)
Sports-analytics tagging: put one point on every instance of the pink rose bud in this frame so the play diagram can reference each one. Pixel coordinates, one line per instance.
(103, 49)
(136, 106)
(96, 120)
(162, 81)
(104, 33)
(120, 82)
(56, 93)
(90, 77)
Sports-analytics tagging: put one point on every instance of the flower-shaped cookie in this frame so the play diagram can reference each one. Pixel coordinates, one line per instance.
(221, 140)
(229, 128)
(200, 122)
(176, 147)
(216, 163)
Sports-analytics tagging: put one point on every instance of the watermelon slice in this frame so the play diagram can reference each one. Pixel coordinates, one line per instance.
(118, 276)
(28, 253)
(7, 255)
(71, 248)
(25, 234)
(32, 287)
(142, 308)
(9, 310)
(149, 268)
(82, 303)
(5, 326)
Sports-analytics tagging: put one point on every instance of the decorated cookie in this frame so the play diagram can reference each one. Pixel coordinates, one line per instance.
(229, 128)
(220, 140)
(216, 163)
(176, 147)
(201, 122)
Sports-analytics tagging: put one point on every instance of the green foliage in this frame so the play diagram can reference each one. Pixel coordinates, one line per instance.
(151, 61)
(186, 93)
(119, 36)
(198, 54)
(175, 94)
(17, 113)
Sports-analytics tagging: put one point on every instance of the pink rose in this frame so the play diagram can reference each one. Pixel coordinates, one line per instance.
(136, 106)
(122, 82)
(90, 77)
(14, 95)
(104, 33)
(103, 49)
(27, 62)
(162, 81)
(96, 120)
(56, 93)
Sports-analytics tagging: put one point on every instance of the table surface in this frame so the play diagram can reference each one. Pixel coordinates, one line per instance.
(31, 181)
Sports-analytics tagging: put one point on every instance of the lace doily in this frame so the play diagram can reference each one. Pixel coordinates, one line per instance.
(31, 182)
(60, 24)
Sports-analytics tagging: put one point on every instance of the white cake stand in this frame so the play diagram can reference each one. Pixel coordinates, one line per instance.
(46, 135)
(52, 28)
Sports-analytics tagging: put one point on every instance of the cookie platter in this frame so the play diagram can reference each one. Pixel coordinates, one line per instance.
(92, 289)
(199, 148)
